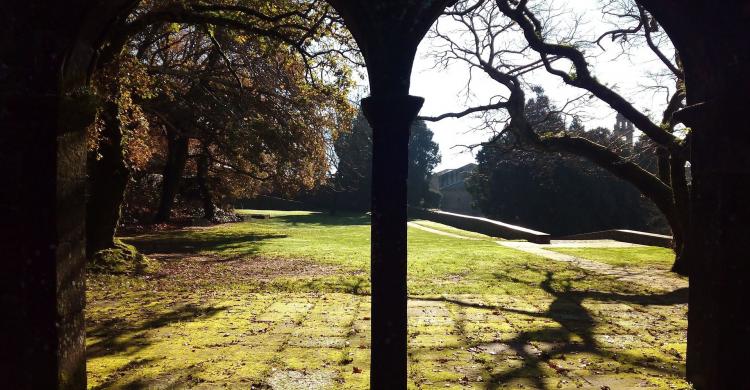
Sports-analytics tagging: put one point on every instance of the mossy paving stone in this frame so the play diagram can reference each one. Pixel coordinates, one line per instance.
(302, 380)
(318, 342)
(436, 341)
(317, 329)
(616, 381)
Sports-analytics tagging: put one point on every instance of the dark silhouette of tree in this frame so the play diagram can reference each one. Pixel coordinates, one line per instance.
(554, 192)
(424, 156)
(353, 176)
(354, 167)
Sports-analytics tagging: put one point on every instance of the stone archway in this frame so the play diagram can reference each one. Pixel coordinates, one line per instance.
(49, 49)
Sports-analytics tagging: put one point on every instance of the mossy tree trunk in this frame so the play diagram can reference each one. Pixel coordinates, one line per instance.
(712, 41)
(177, 155)
(108, 178)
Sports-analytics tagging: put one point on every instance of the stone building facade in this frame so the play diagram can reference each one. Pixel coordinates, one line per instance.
(451, 184)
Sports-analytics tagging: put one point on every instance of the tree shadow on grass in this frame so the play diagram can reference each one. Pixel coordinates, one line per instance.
(195, 241)
(326, 219)
(234, 241)
(575, 334)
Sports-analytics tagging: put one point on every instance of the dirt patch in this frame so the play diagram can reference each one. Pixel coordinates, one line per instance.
(237, 269)
(455, 278)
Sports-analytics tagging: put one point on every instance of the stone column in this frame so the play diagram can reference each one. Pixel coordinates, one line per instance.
(390, 118)
(388, 33)
(46, 50)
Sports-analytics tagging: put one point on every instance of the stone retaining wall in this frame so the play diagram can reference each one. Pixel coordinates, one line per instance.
(632, 236)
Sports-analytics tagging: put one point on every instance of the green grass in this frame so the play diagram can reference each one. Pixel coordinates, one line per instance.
(437, 264)
(642, 256)
(449, 229)
(284, 302)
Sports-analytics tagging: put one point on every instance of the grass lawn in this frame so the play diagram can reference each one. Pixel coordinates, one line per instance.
(452, 230)
(283, 303)
(643, 256)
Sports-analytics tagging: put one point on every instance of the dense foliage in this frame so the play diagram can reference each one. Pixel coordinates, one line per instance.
(354, 168)
(203, 104)
(554, 192)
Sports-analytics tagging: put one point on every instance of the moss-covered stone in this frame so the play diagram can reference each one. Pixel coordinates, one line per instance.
(122, 259)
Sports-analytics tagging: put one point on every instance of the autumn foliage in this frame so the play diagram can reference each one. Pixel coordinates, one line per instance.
(200, 105)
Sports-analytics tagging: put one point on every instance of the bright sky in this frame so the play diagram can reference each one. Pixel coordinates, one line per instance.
(444, 90)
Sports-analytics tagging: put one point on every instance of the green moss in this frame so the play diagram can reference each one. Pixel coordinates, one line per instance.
(122, 259)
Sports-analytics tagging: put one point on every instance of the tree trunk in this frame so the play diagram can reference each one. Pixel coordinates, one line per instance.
(680, 192)
(177, 154)
(204, 187)
(718, 82)
(108, 178)
(662, 167)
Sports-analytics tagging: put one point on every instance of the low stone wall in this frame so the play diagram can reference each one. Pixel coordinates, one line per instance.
(631, 236)
(264, 202)
(481, 225)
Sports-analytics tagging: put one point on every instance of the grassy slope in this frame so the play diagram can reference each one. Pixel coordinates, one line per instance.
(450, 229)
(199, 326)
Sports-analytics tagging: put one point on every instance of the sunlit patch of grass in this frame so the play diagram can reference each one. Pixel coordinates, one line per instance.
(449, 229)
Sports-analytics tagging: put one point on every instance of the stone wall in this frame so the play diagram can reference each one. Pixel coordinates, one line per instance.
(631, 236)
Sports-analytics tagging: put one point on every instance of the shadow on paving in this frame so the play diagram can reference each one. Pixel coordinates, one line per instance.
(120, 335)
(182, 378)
(575, 322)
(359, 286)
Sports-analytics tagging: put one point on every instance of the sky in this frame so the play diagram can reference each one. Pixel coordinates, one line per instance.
(444, 90)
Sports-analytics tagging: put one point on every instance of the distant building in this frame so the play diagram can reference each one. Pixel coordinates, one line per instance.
(623, 131)
(451, 184)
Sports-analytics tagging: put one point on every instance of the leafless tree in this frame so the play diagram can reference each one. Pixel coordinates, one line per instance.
(510, 41)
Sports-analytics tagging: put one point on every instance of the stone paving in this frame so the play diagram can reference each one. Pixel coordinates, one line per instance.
(321, 341)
